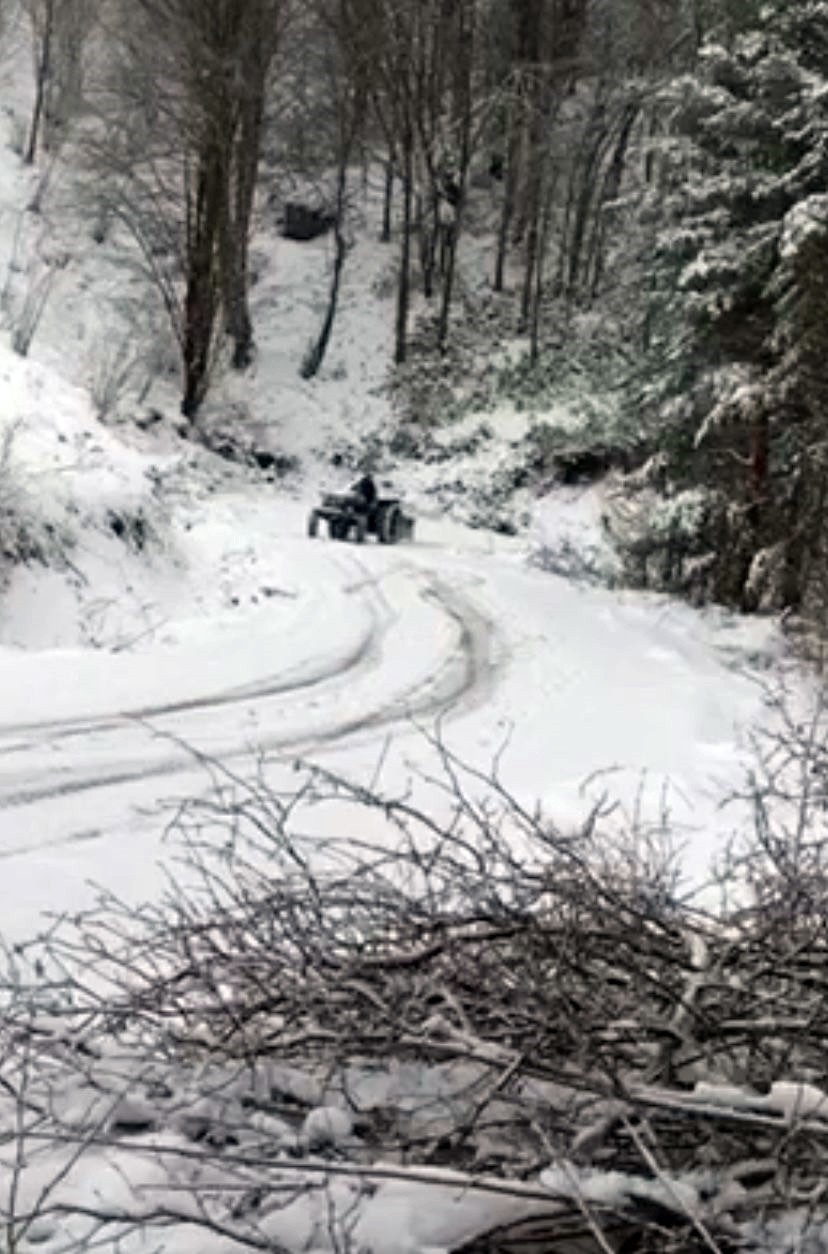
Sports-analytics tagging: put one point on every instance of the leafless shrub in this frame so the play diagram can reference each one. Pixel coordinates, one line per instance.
(27, 287)
(567, 1027)
(115, 368)
(573, 560)
(30, 310)
(783, 862)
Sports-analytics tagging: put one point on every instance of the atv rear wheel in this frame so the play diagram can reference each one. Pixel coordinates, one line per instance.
(389, 525)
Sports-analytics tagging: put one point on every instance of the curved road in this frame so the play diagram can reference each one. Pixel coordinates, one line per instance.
(298, 711)
(377, 645)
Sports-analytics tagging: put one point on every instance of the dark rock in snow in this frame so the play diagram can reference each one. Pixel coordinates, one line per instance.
(303, 222)
(131, 1115)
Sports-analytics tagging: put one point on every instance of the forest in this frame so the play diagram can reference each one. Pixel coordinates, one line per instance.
(656, 166)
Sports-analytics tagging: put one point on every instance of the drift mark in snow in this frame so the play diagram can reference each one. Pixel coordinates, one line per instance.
(425, 650)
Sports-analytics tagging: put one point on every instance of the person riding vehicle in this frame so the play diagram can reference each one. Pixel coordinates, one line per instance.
(364, 492)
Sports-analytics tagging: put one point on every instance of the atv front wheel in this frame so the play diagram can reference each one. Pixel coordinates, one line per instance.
(313, 524)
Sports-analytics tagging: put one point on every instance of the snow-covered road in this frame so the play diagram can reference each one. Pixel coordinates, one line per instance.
(351, 655)
(400, 645)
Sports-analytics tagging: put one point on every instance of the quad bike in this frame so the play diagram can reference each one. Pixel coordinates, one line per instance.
(348, 517)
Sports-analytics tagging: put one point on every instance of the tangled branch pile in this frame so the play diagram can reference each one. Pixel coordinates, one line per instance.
(536, 1010)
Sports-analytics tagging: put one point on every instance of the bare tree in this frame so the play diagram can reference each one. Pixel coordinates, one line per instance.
(542, 67)
(60, 32)
(342, 70)
(178, 147)
(416, 60)
(389, 40)
(255, 40)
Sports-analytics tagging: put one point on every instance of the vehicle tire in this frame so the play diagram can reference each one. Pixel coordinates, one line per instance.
(338, 528)
(388, 525)
(360, 529)
(313, 524)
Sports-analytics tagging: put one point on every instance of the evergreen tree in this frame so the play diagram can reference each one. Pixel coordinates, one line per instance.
(740, 338)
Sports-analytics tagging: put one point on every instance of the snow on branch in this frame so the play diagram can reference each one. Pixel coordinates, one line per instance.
(482, 1024)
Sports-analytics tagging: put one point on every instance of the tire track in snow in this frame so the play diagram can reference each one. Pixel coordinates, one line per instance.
(276, 686)
(461, 680)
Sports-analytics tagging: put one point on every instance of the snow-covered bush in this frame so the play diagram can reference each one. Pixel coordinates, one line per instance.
(664, 540)
(489, 1008)
(70, 490)
(27, 533)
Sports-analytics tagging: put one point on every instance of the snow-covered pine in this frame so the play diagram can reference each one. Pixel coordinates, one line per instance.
(740, 285)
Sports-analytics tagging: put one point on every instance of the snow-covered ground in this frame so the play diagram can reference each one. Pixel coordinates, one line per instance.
(225, 632)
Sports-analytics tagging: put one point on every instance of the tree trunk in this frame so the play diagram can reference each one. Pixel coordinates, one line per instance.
(404, 276)
(596, 143)
(387, 202)
(235, 246)
(314, 359)
(43, 70)
(202, 282)
(531, 251)
(609, 191)
(538, 105)
(547, 186)
(506, 211)
(449, 268)
(448, 246)
(427, 228)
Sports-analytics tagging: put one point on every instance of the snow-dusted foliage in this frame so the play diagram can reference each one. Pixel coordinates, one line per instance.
(93, 485)
(741, 292)
(661, 536)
